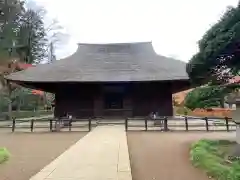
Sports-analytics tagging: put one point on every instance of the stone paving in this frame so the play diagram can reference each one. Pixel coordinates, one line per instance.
(101, 155)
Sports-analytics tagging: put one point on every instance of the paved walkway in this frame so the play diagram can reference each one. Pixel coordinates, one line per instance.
(101, 155)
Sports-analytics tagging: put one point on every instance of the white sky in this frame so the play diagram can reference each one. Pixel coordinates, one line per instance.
(173, 26)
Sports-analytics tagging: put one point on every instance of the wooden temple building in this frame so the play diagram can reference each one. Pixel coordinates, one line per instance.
(109, 80)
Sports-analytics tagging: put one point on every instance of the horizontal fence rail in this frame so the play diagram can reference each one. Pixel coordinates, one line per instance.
(180, 124)
(49, 124)
(144, 123)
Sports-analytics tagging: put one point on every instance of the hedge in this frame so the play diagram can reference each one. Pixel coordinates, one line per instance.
(4, 155)
(207, 155)
(182, 111)
(25, 114)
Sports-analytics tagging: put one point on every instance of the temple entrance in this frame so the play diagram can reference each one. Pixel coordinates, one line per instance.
(113, 100)
(113, 104)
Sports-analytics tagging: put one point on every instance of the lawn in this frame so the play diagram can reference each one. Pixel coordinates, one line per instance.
(30, 152)
(214, 157)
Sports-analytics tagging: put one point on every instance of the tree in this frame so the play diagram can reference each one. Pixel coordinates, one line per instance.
(206, 97)
(10, 15)
(9, 9)
(52, 56)
(219, 51)
(26, 29)
(23, 39)
(32, 37)
(55, 34)
(56, 37)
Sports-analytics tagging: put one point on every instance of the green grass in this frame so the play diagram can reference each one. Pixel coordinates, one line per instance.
(211, 156)
(4, 155)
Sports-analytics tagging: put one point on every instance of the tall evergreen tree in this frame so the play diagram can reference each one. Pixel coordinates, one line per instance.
(10, 15)
(32, 36)
(23, 38)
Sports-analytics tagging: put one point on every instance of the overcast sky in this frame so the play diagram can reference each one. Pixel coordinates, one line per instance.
(173, 26)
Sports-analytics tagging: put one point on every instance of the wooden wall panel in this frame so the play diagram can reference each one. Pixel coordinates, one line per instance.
(140, 99)
(152, 97)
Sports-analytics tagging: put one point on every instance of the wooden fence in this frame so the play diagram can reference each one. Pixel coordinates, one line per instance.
(180, 124)
(146, 124)
(48, 124)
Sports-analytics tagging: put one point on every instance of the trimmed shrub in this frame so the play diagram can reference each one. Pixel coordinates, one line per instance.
(183, 111)
(25, 114)
(4, 155)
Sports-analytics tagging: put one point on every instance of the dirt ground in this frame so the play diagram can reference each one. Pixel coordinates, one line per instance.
(165, 156)
(30, 152)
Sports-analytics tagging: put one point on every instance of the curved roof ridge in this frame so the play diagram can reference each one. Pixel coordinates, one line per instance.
(129, 48)
(120, 43)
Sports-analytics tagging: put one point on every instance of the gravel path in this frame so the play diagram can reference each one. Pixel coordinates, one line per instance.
(30, 152)
(165, 156)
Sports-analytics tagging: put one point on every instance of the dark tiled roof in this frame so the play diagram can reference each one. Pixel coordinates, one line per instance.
(121, 62)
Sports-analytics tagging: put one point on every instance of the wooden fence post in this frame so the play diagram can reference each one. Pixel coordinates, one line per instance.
(146, 124)
(165, 124)
(51, 123)
(227, 125)
(126, 124)
(90, 124)
(70, 125)
(32, 122)
(186, 123)
(13, 124)
(206, 119)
